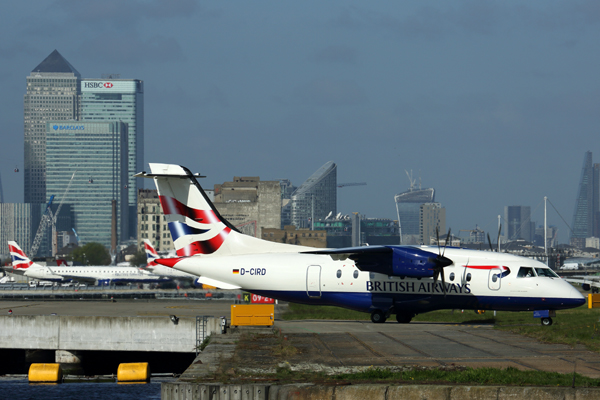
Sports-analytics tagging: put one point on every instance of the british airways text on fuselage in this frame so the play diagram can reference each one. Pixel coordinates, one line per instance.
(416, 287)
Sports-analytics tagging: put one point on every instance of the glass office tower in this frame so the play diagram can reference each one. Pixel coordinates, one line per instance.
(408, 208)
(52, 94)
(96, 152)
(316, 197)
(120, 100)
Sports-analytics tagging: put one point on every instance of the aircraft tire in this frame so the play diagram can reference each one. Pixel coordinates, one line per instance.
(378, 317)
(546, 321)
(404, 318)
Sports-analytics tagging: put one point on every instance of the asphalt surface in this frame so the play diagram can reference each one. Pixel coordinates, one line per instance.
(354, 343)
(439, 344)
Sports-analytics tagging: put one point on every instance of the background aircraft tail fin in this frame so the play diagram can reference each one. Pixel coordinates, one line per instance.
(19, 259)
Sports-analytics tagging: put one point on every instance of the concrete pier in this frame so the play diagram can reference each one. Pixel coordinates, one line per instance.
(159, 334)
(200, 391)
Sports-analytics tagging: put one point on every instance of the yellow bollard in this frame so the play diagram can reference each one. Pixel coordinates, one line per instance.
(593, 300)
(45, 373)
(133, 372)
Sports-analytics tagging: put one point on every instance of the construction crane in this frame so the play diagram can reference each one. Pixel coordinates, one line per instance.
(49, 217)
(43, 224)
(341, 185)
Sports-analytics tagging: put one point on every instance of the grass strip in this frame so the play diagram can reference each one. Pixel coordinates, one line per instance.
(479, 376)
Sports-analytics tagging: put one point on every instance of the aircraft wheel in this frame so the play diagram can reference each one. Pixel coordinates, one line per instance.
(378, 317)
(403, 318)
(546, 321)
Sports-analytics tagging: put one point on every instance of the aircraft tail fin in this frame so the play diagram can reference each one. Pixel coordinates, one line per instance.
(151, 253)
(19, 259)
(195, 224)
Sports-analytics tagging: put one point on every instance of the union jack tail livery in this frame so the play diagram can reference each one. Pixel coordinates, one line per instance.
(196, 226)
(19, 259)
(151, 253)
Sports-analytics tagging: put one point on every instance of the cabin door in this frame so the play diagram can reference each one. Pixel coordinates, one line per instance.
(494, 278)
(313, 281)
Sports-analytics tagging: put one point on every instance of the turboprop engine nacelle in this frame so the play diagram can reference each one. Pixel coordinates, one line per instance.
(401, 261)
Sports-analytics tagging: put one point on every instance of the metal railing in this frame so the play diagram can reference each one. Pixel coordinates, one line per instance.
(201, 331)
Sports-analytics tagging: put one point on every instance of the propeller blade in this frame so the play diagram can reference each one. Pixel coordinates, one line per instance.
(499, 229)
(446, 242)
(443, 283)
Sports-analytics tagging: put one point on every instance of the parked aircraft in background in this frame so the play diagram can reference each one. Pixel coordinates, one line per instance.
(380, 280)
(98, 275)
(587, 282)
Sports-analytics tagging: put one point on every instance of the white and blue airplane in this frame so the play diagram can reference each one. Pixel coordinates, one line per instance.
(96, 275)
(380, 280)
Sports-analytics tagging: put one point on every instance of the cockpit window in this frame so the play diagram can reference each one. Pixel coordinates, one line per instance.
(546, 272)
(525, 272)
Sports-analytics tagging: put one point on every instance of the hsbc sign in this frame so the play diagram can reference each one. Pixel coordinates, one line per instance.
(96, 85)
(117, 86)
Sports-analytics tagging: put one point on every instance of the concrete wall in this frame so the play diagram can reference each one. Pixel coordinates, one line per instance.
(101, 333)
(192, 391)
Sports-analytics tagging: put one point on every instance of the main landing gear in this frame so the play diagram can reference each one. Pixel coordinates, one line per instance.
(404, 318)
(546, 321)
(379, 317)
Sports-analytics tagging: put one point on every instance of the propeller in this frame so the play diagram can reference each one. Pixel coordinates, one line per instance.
(497, 240)
(440, 261)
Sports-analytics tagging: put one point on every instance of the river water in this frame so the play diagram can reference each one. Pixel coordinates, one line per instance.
(20, 389)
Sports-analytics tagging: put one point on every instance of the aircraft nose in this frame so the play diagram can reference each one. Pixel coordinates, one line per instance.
(577, 296)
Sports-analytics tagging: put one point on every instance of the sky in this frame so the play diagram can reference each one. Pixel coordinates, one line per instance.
(492, 103)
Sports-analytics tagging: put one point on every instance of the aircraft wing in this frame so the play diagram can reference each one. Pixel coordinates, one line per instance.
(80, 279)
(593, 278)
(13, 271)
(408, 261)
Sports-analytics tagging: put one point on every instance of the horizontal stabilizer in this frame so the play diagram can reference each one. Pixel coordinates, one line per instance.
(215, 283)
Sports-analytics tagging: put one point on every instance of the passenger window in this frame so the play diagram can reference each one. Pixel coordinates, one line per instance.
(469, 277)
(452, 276)
(355, 273)
(339, 273)
(494, 278)
(525, 272)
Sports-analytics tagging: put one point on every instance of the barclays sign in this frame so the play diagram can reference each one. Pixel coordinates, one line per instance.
(68, 127)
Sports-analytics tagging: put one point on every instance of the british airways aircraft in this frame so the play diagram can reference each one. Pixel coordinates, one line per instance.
(100, 275)
(380, 280)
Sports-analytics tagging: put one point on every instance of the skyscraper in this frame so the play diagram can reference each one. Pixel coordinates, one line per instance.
(52, 94)
(432, 221)
(57, 94)
(120, 100)
(519, 223)
(586, 221)
(408, 207)
(97, 153)
(316, 197)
